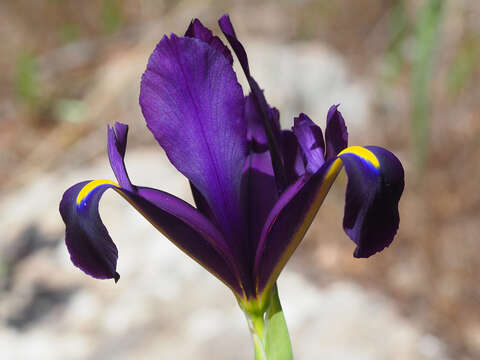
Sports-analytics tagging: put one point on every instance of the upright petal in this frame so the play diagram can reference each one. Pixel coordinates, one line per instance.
(292, 156)
(229, 32)
(117, 144)
(198, 31)
(193, 105)
(259, 189)
(260, 194)
(267, 116)
(256, 136)
(93, 251)
(310, 138)
(336, 135)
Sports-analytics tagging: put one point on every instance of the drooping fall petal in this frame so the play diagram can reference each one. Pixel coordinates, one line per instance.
(376, 182)
(91, 247)
(93, 251)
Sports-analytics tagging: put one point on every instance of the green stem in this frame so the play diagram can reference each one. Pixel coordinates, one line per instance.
(257, 327)
(269, 331)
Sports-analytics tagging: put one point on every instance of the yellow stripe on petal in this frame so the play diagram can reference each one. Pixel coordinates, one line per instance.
(364, 153)
(87, 189)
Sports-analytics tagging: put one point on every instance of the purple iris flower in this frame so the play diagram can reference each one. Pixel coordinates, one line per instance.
(256, 187)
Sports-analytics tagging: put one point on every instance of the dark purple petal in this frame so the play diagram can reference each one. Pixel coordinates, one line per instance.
(310, 138)
(194, 106)
(292, 156)
(267, 116)
(375, 184)
(201, 203)
(93, 251)
(256, 137)
(90, 247)
(288, 221)
(229, 32)
(260, 194)
(336, 135)
(198, 31)
(117, 144)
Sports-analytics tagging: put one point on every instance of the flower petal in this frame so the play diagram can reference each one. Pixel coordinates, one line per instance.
(260, 194)
(375, 184)
(198, 31)
(288, 221)
(87, 239)
(310, 138)
(117, 144)
(292, 156)
(256, 137)
(193, 105)
(229, 32)
(267, 116)
(336, 135)
(93, 251)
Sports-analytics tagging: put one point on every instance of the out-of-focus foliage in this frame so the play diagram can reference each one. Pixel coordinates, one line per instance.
(399, 26)
(426, 39)
(26, 81)
(466, 61)
(112, 17)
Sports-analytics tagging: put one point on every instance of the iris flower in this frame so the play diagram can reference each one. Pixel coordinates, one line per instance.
(256, 187)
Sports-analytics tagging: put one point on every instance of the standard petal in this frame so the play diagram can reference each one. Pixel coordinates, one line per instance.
(336, 135)
(198, 31)
(267, 115)
(292, 156)
(256, 136)
(259, 188)
(310, 138)
(229, 32)
(117, 145)
(93, 251)
(193, 105)
(375, 184)
(260, 193)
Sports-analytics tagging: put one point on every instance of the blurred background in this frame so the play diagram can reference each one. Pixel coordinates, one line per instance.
(407, 76)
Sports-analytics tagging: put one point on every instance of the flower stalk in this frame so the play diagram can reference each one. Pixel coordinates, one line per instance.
(270, 336)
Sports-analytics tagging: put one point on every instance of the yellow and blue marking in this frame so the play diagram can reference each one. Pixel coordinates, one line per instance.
(90, 187)
(363, 153)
